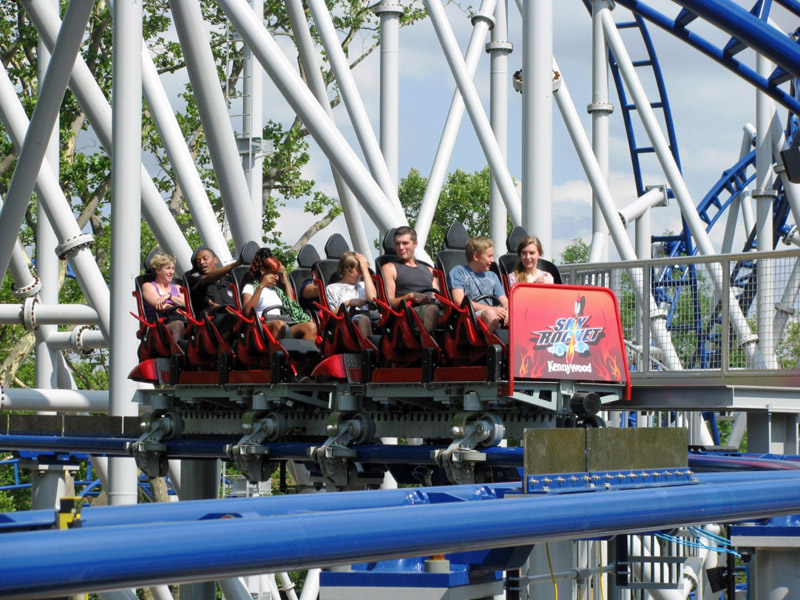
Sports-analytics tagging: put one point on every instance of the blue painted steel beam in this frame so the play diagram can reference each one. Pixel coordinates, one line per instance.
(710, 462)
(198, 449)
(196, 510)
(748, 28)
(699, 43)
(270, 506)
(792, 5)
(110, 445)
(213, 549)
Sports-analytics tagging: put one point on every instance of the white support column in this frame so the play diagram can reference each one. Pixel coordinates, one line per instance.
(643, 235)
(601, 110)
(32, 313)
(331, 141)
(618, 234)
(98, 110)
(737, 205)
(310, 60)
(181, 158)
(80, 339)
(125, 233)
(499, 49)
(653, 197)
(354, 103)
(48, 103)
(253, 122)
(311, 585)
(390, 13)
(234, 589)
(477, 115)
(46, 260)
(49, 483)
(26, 284)
(214, 115)
(765, 198)
(200, 480)
(537, 119)
(481, 23)
(53, 400)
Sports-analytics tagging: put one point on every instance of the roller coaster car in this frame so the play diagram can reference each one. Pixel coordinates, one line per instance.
(206, 350)
(467, 340)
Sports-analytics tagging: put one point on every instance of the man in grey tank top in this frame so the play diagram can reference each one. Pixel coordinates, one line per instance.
(406, 279)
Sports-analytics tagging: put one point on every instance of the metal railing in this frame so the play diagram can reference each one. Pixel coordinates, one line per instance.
(723, 316)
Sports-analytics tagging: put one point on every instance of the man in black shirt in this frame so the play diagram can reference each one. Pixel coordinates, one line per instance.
(410, 281)
(210, 288)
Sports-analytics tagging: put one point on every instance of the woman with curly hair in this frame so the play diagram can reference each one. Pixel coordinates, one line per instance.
(162, 297)
(262, 297)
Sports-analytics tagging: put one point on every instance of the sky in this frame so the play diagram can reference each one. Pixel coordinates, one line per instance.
(710, 106)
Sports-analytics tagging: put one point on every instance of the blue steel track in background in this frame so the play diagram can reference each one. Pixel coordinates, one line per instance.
(748, 29)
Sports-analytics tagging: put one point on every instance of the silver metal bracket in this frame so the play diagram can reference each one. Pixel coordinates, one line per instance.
(334, 458)
(248, 453)
(149, 450)
(470, 431)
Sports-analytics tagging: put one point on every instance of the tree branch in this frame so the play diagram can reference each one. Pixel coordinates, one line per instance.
(311, 231)
(100, 192)
(15, 358)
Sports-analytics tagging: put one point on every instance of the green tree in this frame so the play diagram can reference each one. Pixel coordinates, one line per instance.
(576, 252)
(464, 198)
(85, 168)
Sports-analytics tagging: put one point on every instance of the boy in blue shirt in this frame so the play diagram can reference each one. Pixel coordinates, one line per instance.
(474, 280)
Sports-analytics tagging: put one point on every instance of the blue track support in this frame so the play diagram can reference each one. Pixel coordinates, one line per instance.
(750, 29)
(212, 449)
(702, 462)
(269, 506)
(676, 28)
(648, 61)
(219, 548)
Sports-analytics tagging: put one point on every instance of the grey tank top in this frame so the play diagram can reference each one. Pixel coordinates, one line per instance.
(412, 279)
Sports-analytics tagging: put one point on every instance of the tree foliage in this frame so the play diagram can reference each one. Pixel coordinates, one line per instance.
(576, 252)
(464, 198)
(85, 167)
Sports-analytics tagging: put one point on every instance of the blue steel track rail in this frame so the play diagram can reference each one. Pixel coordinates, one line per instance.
(746, 29)
(235, 545)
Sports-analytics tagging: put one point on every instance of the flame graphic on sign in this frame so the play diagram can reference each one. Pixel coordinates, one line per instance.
(571, 346)
(614, 367)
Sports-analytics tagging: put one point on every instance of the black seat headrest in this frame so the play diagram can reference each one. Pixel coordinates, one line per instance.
(456, 237)
(514, 238)
(388, 242)
(336, 246)
(307, 256)
(249, 252)
(146, 265)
